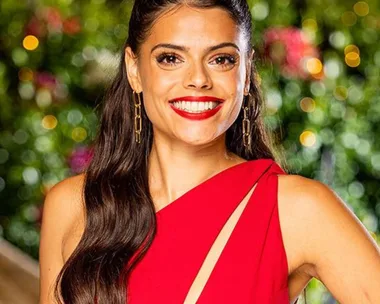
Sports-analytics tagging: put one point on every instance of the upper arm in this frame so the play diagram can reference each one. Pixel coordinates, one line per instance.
(61, 207)
(345, 256)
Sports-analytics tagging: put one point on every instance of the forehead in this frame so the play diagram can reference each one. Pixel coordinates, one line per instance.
(195, 27)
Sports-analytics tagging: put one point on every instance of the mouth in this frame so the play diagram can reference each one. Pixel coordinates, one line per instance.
(196, 104)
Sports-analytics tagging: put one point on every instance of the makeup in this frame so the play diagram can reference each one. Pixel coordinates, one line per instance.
(196, 107)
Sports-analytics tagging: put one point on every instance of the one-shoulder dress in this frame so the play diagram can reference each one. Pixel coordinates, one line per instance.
(251, 266)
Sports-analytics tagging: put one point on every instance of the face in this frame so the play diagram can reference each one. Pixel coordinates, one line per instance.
(193, 71)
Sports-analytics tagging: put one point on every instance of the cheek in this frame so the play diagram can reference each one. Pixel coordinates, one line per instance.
(231, 81)
(156, 84)
(157, 81)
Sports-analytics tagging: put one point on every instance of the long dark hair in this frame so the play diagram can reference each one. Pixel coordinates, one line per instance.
(120, 215)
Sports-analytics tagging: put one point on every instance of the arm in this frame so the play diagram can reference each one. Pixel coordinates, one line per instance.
(61, 208)
(344, 255)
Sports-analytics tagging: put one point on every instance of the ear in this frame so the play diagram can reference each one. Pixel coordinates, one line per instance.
(132, 70)
(248, 73)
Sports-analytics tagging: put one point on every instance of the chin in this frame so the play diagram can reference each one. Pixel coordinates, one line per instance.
(197, 140)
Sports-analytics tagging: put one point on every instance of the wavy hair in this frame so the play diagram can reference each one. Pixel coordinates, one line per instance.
(120, 215)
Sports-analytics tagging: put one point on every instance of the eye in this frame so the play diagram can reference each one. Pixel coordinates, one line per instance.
(225, 60)
(168, 59)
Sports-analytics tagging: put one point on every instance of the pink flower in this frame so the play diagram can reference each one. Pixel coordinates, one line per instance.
(80, 158)
(287, 48)
(45, 80)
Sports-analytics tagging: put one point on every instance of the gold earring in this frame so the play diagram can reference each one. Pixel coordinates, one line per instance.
(246, 124)
(138, 122)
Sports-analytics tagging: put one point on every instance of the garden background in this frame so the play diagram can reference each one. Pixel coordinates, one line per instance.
(319, 63)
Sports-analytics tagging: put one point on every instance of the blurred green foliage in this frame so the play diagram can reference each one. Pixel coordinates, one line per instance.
(319, 63)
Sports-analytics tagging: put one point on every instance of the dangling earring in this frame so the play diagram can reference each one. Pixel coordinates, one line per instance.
(138, 122)
(246, 123)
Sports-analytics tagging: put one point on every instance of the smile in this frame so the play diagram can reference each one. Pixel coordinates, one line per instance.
(196, 107)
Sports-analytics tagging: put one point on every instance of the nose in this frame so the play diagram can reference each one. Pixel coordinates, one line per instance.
(197, 77)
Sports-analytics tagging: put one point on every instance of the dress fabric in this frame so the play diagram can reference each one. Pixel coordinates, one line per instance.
(252, 267)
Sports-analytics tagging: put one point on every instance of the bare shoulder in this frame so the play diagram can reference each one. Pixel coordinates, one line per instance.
(62, 211)
(65, 203)
(321, 231)
(293, 205)
(303, 203)
(310, 203)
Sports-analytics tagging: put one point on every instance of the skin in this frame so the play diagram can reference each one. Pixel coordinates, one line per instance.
(181, 147)
(322, 237)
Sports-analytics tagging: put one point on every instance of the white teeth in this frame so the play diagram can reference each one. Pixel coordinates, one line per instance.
(195, 107)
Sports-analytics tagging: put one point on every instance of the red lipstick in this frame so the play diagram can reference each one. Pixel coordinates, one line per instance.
(197, 98)
(197, 116)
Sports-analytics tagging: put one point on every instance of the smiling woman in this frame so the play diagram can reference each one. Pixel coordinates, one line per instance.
(204, 51)
(183, 201)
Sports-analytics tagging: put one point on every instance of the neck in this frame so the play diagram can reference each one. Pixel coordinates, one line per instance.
(175, 168)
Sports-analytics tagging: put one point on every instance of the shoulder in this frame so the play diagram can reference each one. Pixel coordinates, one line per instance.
(299, 199)
(66, 197)
(308, 203)
(64, 206)
(302, 200)
(318, 220)
(310, 200)
(323, 232)
(303, 205)
(62, 210)
(300, 188)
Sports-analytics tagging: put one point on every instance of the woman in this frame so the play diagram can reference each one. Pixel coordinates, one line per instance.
(183, 201)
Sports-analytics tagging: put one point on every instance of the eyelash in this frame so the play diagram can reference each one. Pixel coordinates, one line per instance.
(160, 59)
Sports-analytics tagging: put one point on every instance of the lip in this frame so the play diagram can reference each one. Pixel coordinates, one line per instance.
(197, 116)
(197, 99)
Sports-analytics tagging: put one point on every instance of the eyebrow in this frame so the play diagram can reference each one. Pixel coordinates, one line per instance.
(186, 49)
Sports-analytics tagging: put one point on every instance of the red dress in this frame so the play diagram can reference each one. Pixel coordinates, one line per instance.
(252, 268)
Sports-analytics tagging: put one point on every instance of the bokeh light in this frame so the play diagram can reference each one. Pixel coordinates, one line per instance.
(4, 156)
(361, 8)
(43, 98)
(332, 68)
(308, 139)
(310, 24)
(341, 93)
(307, 104)
(260, 10)
(349, 18)
(338, 39)
(30, 175)
(314, 66)
(352, 59)
(25, 74)
(30, 42)
(49, 122)
(79, 134)
(351, 48)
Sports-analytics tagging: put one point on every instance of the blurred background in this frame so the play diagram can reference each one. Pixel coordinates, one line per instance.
(319, 63)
